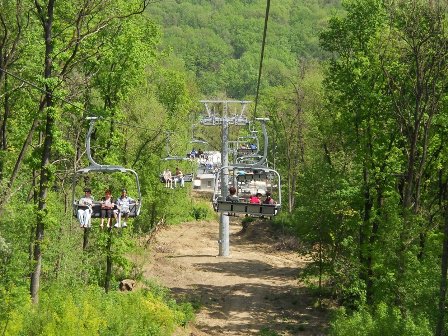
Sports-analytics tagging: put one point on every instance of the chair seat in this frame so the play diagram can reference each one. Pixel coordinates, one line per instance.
(96, 210)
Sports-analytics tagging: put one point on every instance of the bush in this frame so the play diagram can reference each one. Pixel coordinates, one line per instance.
(247, 220)
(383, 321)
(89, 311)
(199, 212)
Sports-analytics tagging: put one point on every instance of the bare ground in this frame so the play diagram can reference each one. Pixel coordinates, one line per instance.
(254, 291)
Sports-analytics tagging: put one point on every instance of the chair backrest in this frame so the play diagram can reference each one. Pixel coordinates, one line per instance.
(246, 208)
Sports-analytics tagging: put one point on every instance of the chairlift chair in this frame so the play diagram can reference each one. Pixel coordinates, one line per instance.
(134, 208)
(247, 141)
(187, 177)
(251, 173)
(250, 156)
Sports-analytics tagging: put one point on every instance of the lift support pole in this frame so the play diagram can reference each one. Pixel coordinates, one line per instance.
(224, 229)
(224, 119)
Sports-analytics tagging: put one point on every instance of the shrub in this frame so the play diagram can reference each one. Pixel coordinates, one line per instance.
(200, 211)
(89, 311)
(383, 321)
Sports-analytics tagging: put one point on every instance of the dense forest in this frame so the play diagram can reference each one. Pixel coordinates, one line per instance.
(356, 94)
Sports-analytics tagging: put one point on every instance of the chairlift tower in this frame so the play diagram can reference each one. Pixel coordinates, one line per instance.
(218, 113)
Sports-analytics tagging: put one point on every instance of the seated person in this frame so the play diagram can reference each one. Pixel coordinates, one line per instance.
(232, 197)
(253, 146)
(193, 153)
(168, 178)
(85, 209)
(255, 199)
(123, 209)
(107, 206)
(179, 177)
(268, 199)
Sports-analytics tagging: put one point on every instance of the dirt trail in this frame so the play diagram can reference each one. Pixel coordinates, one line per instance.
(254, 290)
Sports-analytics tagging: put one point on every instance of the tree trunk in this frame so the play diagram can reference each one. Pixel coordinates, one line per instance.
(6, 193)
(364, 239)
(4, 145)
(85, 241)
(108, 261)
(47, 22)
(440, 327)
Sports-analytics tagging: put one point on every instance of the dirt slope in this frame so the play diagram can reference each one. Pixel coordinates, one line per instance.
(255, 291)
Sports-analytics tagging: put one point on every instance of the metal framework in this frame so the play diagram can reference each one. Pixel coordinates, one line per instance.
(214, 117)
(262, 160)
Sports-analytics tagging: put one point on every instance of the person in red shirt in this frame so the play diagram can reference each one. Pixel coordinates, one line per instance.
(255, 199)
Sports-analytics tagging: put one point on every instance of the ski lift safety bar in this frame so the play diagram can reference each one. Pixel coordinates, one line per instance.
(177, 158)
(247, 158)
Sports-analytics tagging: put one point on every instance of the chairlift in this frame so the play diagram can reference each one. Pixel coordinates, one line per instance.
(134, 208)
(186, 177)
(244, 178)
(248, 145)
(251, 156)
(248, 179)
(169, 156)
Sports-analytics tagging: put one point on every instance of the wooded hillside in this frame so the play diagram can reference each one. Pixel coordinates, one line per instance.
(357, 100)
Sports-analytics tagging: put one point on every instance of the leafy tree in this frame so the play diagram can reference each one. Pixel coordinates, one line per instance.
(62, 41)
(385, 92)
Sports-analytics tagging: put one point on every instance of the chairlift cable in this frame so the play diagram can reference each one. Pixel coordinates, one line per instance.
(266, 17)
(67, 101)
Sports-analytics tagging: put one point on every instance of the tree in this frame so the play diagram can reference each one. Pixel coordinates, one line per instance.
(385, 90)
(62, 45)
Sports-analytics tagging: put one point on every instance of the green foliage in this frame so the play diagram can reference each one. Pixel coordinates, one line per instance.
(220, 41)
(267, 332)
(385, 247)
(202, 212)
(89, 311)
(384, 321)
(179, 207)
(248, 220)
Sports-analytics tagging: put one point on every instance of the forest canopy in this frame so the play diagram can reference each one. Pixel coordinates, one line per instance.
(356, 94)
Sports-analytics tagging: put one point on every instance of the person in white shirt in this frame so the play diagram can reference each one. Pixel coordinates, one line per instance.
(123, 209)
(85, 209)
(168, 178)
